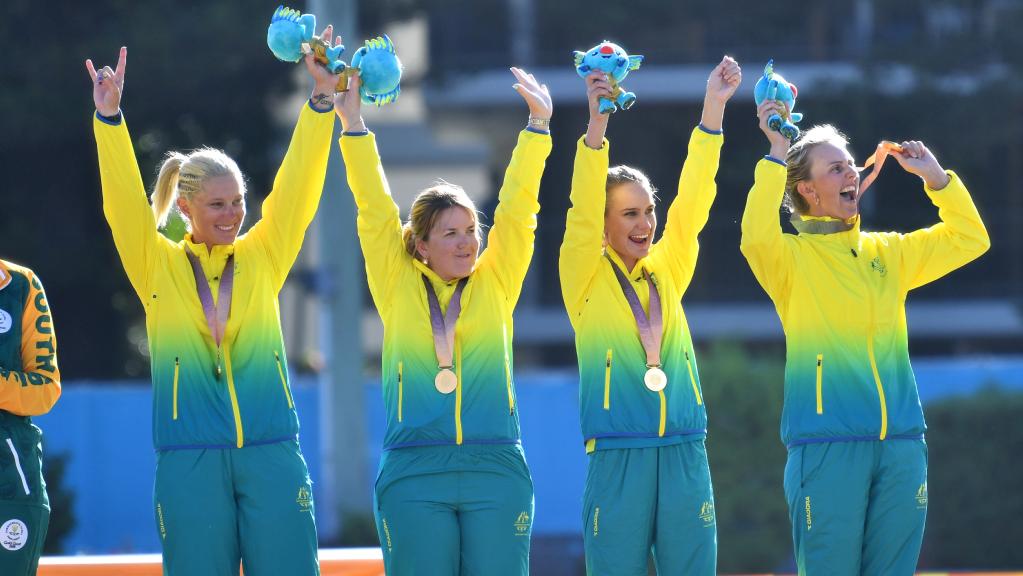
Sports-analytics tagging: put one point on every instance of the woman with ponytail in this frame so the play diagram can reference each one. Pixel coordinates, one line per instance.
(232, 486)
(454, 494)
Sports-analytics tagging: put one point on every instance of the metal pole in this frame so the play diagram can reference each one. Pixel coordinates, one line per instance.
(343, 458)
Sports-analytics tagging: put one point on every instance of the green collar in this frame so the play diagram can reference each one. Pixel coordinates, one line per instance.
(822, 225)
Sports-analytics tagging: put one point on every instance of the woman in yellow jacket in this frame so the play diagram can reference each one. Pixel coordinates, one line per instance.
(453, 495)
(648, 485)
(231, 483)
(856, 478)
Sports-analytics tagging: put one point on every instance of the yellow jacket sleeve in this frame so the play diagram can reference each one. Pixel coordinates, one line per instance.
(583, 246)
(292, 203)
(379, 223)
(510, 241)
(678, 248)
(930, 253)
(36, 388)
(770, 253)
(125, 204)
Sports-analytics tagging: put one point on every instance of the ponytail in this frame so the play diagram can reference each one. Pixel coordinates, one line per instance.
(166, 190)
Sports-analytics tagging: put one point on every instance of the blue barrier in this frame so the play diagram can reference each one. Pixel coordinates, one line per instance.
(105, 428)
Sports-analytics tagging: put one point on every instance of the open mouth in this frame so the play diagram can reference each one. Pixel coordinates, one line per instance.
(225, 228)
(640, 239)
(849, 193)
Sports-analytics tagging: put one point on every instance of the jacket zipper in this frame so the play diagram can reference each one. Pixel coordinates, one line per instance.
(692, 378)
(284, 382)
(400, 391)
(177, 367)
(607, 381)
(870, 351)
(820, 372)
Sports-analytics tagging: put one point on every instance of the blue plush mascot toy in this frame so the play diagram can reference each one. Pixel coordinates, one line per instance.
(616, 63)
(291, 33)
(772, 86)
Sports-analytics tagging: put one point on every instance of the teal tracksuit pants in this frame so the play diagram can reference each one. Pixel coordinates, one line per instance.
(24, 505)
(218, 507)
(857, 508)
(658, 499)
(455, 510)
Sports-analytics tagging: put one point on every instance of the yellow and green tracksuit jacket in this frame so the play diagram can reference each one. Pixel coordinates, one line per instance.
(251, 402)
(29, 377)
(617, 410)
(841, 299)
(482, 409)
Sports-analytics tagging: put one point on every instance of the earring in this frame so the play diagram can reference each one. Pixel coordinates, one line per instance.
(816, 199)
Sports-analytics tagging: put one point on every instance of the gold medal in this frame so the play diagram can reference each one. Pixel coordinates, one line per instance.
(445, 381)
(655, 379)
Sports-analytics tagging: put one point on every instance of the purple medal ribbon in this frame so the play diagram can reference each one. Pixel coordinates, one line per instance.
(650, 329)
(216, 314)
(444, 324)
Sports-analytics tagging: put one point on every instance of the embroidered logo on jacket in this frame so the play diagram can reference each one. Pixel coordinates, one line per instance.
(305, 499)
(5, 321)
(707, 513)
(921, 496)
(878, 266)
(522, 524)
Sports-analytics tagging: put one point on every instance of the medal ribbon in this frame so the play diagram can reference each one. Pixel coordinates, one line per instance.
(884, 148)
(216, 314)
(650, 329)
(443, 325)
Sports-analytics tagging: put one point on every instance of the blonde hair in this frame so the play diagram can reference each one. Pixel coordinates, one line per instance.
(619, 175)
(427, 208)
(183, 176)
(798, 160)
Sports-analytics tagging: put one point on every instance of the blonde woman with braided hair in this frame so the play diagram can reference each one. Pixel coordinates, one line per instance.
(454, 494)
(232, 487)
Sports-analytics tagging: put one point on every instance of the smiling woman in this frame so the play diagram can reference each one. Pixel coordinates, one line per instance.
(852, 419)
(453, 465)
(225, 427)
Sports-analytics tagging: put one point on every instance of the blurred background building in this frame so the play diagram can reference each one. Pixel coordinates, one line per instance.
(948, 72)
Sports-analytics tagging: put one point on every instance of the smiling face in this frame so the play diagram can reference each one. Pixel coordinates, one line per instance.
(630, 221)
(452, 245)
(216, 212)
(833, 188)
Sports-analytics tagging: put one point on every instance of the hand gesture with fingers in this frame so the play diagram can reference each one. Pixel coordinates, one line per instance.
(724, 80)
(536, 95)
(108, 85)
(597, 86)
(917, 159)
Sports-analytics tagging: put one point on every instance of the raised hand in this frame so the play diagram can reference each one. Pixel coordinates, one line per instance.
(721, 84)
(597, 87)
(108, 85)
(536, 95)
(326, 82)
(917, 159)
(348, 106)
(724, 80)
(779, 143)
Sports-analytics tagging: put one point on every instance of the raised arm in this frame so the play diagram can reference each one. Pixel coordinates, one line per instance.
(124, 197)
(678, 248)
(35, 388)
(930, 253)
(583, 245)
(379, 222)
(292, 203)
(510, 241)
(763, 244)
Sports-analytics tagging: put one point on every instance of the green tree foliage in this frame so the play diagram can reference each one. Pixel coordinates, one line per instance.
(743, 395)
(974, 478)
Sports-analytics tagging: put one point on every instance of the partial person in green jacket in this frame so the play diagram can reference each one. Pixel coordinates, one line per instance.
(856, 478)
(29, 386)
(648, 485)
(231, 482)
(453, 494)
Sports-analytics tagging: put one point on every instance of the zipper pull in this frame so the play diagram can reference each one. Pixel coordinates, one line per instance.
(855, 255)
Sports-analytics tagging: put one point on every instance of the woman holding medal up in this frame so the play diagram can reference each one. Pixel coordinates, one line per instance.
(231, 483)
(648, 485)
(453, 494)
(856, 476)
